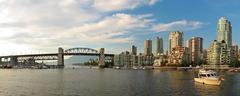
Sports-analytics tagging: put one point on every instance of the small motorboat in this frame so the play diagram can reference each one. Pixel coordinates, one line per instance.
(232, 70)
(208, 77)
(117, 67)
(134, 67)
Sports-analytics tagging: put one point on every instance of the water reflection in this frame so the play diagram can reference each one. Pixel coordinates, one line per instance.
(109, 82)
(59, 83)
(207, 90)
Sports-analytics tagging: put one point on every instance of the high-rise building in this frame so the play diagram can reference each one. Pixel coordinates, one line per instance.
(195, 45)
(179, 56)
(219, 54)
(213, 53)
(238, 54)
(125, 59)
(204, 55)
(221, 51)
(224, 31)
(234, 53)
(134, 50)
(148, 47)
(175, 39)
(159, 46)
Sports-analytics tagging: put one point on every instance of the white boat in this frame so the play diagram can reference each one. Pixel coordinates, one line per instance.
(134, 67)
(208, 77)
(117, 67)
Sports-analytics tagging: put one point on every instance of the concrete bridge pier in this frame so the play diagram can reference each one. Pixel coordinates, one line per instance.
(0, 61)
(60, 57)
(13, 61)
(101, 59)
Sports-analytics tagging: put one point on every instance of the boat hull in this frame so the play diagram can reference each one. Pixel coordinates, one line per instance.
(207, 81)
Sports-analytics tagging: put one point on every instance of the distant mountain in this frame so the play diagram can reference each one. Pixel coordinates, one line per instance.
(78, 59)
(72, 60)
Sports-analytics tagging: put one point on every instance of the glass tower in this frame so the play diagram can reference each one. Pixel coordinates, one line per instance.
(159, 45)
(224, 31)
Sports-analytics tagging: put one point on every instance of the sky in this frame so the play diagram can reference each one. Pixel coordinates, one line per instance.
(41, 26)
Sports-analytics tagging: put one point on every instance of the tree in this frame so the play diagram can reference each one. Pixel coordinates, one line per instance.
(234, 63)
(184, 63)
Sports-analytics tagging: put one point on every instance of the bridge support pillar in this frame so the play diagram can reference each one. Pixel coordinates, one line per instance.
(60, 57)
(1, 61)
(101, 62)
(13, 61)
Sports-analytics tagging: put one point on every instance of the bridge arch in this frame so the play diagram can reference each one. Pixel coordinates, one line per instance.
(80, 50)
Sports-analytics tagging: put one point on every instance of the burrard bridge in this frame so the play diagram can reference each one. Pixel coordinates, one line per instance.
(59, 56)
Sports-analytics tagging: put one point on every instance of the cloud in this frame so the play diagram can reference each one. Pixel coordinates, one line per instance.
(152, 2)
(67, 22)
(117, 28)
(112, 29)
(183, 25)
(47, 24)
(116, 5)
(64, 13)
(49, 13)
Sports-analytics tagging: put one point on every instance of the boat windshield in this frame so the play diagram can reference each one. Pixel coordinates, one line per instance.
(213, 74)
(202, 75)
(207, 75)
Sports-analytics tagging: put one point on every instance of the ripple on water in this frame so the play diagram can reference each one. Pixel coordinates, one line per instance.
(108, 82)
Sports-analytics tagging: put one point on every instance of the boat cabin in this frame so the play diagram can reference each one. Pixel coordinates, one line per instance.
(209, 73)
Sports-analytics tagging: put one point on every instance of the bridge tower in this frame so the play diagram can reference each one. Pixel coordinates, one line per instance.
(60, 57)
(101, 62)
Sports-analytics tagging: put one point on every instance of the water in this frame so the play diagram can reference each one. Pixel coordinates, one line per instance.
(110, 82)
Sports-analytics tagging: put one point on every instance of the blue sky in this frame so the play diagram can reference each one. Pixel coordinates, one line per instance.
(205, 11)
(40, 26)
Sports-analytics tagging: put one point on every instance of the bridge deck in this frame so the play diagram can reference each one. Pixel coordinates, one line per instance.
(55, 54)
